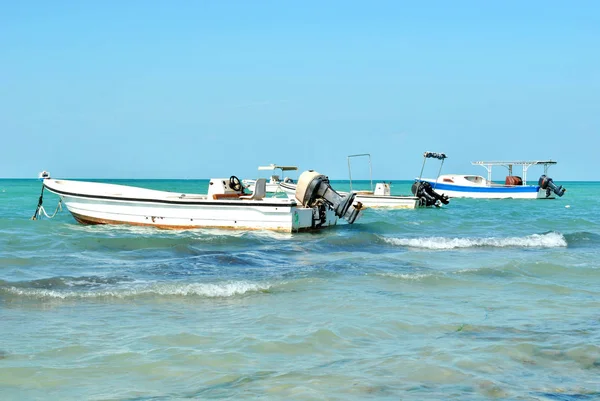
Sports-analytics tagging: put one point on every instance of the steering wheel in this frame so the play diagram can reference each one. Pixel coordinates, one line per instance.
(234, 183)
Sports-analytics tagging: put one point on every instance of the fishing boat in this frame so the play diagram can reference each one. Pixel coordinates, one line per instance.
(226, 205)
(380, 196)
(514, 187)
(275, 184)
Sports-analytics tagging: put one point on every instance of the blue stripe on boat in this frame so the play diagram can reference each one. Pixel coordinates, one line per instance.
(461, 188)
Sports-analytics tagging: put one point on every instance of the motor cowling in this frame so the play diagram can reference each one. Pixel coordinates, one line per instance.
(313, 189)
(427, 195)
(546, 183)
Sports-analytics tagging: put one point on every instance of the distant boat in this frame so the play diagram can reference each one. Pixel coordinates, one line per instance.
(381, 197)
(514, 187)
(316, 205)
(378, 197)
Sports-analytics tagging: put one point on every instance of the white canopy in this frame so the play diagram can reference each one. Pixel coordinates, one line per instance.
(509, 165)
(515, 163)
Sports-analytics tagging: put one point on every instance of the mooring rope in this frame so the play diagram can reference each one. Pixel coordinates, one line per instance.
(58, 207)
(40, 209)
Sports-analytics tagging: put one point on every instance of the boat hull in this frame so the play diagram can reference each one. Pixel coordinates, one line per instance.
(490, 192)
(97, 203)
(388, 201)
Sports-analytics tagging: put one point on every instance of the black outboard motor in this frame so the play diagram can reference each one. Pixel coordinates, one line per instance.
(313, 189)
(549, 185)
(427, 195)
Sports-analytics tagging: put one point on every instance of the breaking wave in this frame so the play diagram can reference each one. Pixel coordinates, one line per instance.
(217, 290)
(407, 276)
(547, 240)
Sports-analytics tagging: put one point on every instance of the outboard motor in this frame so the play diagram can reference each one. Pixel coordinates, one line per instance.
(427, 195)
(549, 185)
(313, 190)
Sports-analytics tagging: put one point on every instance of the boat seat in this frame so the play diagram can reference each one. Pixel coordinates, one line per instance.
(260, 190)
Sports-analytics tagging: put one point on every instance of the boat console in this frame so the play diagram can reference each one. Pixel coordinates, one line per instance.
(382, 189)
(220, 188)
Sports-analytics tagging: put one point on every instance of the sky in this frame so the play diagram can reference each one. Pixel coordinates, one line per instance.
(200, 89)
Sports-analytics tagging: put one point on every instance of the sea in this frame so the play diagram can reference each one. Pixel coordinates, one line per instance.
(475, 300)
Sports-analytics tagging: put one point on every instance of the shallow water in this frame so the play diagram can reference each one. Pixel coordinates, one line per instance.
(481, 299)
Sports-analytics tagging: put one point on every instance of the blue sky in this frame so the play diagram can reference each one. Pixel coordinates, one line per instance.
(199, 89)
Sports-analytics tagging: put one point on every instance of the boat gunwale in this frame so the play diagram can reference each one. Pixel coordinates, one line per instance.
(285, 202)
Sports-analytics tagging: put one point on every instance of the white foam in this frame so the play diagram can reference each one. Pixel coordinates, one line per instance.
(405, 276)
(223, 290)
(549, 240)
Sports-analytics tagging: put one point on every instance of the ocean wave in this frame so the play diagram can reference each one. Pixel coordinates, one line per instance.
(124, 237)
(407, 276)
(353, 242)
(206, 290)
(583, 239)
(547, 240)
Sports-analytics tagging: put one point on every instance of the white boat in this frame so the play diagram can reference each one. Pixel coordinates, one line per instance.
(515, 187)
(275, 183)
(381, 196)
(316, 205)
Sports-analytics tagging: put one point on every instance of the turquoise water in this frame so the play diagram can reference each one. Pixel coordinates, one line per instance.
(481, 299)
